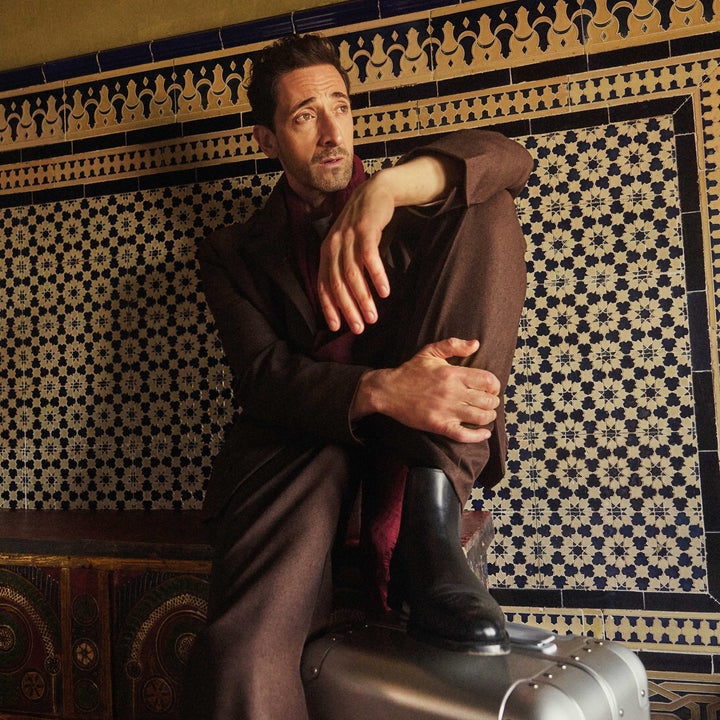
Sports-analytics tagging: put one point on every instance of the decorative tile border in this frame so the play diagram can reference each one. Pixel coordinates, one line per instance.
(524, 102)
(471, 39)
(646, 631)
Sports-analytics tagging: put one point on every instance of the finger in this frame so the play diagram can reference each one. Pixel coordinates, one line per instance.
(475, 416)
(374, 266)
(332, 317)
(335, 298)
(451, 347)
(482, 399)
(344, 302)
(482, 381)
(465, 434)
(327, 301)
(358, 287)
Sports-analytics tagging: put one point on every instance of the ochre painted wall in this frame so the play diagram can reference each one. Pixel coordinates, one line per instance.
(38, 31)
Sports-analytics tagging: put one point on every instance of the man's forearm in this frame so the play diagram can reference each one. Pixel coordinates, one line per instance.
(419, 181)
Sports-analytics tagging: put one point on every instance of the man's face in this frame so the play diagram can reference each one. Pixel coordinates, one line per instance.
(313, 135)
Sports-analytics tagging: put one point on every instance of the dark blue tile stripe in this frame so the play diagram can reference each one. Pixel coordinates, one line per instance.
(192, 44)
(71, 67)
(646, 108)
(16, 200)
(710, 482)
(101, 142)
(42, 152)
(694, 44)
(20, 78)
(550, 69)
(471, 83)
(333, 16)
(315, 19)
(112, 187)
(125, 57)
(72, 192)
(246, 33)
(699, 330)
(409, 93)
(530, 598)
(555, 600)
(684, 118)
(704, 410)
(10, 157)
(619, 600)
(628, 56)
(676, 662)
(154, 134)
(166, 179)
(680, 602)
(569, 121)
(226, 170)
(687, 173)
(712, 543)
(388, 8)
(693, 251)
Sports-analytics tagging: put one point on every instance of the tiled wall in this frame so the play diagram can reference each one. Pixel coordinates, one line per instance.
(113, 389)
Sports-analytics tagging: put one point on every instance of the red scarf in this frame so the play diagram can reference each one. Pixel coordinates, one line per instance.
(306, 247)
(382, 502)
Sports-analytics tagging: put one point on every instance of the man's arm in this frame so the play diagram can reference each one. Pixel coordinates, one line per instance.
(351, 248)
(471, 165)
(428, 393)
(273, 381)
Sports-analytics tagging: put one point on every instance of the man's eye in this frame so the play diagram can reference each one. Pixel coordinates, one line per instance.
(343, 109)
(303, 117)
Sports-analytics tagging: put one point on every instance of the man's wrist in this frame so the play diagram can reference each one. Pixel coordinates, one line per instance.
(368, 398)
(423, 179)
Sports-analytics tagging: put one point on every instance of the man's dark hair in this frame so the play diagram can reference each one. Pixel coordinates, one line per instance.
(283, 56)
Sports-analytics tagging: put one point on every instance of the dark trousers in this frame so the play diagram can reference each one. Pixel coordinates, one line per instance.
(271, 580)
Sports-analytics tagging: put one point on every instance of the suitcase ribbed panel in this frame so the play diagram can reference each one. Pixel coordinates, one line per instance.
(379, 673)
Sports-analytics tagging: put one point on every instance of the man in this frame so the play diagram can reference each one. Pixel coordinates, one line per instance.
(370, 326)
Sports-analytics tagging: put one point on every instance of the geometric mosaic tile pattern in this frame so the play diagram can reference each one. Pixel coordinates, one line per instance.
(694, 697)
(113, 382)
(122, 392)
(603, 487)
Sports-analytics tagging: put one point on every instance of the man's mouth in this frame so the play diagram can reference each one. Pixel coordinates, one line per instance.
(333, 160)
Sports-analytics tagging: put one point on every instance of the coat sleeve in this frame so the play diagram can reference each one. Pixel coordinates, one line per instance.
(273, 382)
(491, 163)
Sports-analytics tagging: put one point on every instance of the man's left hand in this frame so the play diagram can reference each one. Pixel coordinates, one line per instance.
(350, 255)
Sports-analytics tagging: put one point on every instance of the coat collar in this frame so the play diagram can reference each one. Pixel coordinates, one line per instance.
(269, 244)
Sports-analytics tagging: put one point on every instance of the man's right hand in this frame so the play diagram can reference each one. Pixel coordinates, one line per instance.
(429, 394)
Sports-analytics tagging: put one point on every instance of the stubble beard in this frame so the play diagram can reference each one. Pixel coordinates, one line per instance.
(332, 180)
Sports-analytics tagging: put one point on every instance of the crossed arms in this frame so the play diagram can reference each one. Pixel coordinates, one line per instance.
(426, 392)
(277, 383)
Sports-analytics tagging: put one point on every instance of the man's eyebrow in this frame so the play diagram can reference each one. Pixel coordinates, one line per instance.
(309, 101)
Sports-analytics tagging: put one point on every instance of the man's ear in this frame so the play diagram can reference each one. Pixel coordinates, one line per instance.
(266, 139)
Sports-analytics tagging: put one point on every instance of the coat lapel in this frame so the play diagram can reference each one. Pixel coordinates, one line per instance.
(269, 243)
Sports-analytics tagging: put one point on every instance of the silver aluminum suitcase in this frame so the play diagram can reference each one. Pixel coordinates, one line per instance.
(376, 672)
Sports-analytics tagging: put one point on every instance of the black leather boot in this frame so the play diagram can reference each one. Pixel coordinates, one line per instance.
(430, 578)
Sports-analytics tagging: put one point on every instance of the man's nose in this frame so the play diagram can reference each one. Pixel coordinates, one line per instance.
(330, 130)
